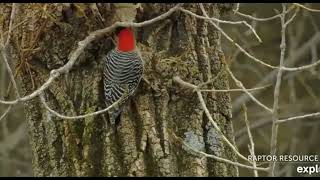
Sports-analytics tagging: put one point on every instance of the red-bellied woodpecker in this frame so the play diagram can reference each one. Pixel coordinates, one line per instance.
(122, 73)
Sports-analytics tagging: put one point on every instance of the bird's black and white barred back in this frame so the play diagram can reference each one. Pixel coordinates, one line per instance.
(122, 75)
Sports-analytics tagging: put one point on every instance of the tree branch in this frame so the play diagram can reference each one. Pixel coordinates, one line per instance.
(178, 80)
(251, 147)
(275, 115)
(82, 45)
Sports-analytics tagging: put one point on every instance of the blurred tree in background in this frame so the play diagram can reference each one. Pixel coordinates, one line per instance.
(299, 91)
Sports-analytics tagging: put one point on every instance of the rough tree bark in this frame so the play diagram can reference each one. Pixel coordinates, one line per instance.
(144, 144)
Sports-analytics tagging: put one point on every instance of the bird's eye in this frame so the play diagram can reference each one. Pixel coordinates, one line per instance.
(118, 29)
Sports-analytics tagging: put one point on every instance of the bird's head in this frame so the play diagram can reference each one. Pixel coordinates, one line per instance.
(126, 40)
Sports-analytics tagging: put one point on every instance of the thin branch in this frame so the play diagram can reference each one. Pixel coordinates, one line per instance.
(12, 16)
(233, 90)
(299, 117)
(12, 140)
(262, 19)
(313, 21)
(184, 83)
(211, 80)
(240, 85)
(275, 115)
(314, 58)
(3, 51)
(203, 104)
(219, 159)
(255, 18)
(292, 17)
(251, 147)
(301, 67)
(237, 8)
(232, 41)
(222, 21)
(297, 54)
(255, 125)
(191, 86)
(306, 8)
(17, 25)
(217, 127)
(4, 57)
(79, 116)
(6, 112)
(223, 160)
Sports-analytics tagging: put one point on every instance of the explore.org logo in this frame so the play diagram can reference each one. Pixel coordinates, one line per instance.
(308, 169)
(302, 160)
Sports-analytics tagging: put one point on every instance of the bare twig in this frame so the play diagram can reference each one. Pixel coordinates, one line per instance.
(255, 18)
(262, 19)
(184, 83)
(79, 116)
(232, 41)
(251, 147)
(212, 79)
(203, 104)
(6, 112)
(13, 139)
(240, 85)
(17, 25)
(305, 67)
(255, 125)
(217, 127)
(219, 159)
(297, 54)
(306, 8)
(223, 21)
(294, 141)
(237, 8)
(275, 115)
(4, 57)
(233, 90)
(299, 117)
(12, 16)
(314, 58)
(217, 90)
(292, 17)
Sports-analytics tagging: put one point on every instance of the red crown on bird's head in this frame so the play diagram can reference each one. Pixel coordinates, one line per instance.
(126, 40)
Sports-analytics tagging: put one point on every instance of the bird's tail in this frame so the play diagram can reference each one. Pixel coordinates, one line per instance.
(114, 117)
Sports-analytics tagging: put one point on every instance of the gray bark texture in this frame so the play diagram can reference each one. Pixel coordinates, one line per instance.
(154, 122)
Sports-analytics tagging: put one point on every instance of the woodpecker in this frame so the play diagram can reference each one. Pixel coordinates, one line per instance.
(122, 73)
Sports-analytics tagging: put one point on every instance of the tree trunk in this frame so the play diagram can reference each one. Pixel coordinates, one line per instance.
(145, 143)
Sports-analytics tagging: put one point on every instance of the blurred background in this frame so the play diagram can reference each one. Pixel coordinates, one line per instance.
(299, 90)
